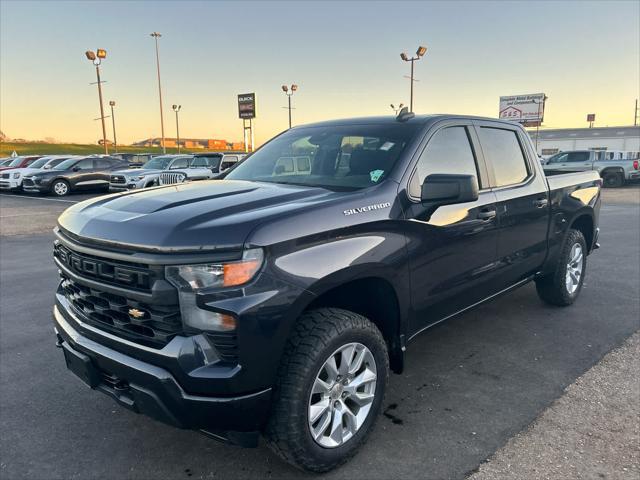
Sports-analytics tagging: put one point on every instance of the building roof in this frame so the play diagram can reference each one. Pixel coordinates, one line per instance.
(596, 132)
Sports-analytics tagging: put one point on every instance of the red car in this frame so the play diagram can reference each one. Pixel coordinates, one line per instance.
(21, 162)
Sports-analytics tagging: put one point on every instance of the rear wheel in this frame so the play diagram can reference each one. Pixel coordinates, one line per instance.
(329, 391)
(60, 188)
(564, 285)
(613, 179)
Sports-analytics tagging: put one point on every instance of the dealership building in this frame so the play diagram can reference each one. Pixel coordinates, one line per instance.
(597, 138)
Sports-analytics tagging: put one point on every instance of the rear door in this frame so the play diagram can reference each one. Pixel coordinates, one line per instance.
(453, 251)
(522, 200)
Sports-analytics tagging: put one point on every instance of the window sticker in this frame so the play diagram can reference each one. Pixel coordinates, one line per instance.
(375, 175)
(386, 146)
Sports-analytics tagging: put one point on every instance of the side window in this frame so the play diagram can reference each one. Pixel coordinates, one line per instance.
(228, 162)
(448, 152)
(200, 162)
(578, 157)
(180, 163)
(503, 150)
(103, 163)
(86, 164)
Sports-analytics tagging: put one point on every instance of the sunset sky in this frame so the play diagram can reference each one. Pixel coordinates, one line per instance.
(343, 55)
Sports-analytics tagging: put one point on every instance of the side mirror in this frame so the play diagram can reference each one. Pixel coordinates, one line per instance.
(440, 189)
(75, 169)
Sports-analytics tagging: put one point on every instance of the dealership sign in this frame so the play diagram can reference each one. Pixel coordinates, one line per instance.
(247, 105)
(525, 109)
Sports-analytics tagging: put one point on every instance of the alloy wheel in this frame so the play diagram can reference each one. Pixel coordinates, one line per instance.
(342, 395)
(574, 268)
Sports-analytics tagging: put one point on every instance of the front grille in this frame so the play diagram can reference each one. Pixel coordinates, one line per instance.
(27, 182)
(155, 327)
(131, 275)
(168, 178)
(118, 179)
(5, 175)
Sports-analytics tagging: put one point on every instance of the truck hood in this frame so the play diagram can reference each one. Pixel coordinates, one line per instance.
(200, 216)
(130, 172)
(25, 171)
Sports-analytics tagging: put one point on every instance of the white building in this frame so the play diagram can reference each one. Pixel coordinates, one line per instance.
(597, 138)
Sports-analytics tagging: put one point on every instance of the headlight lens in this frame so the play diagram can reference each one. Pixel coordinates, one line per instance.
(189, 279)
(16, 175)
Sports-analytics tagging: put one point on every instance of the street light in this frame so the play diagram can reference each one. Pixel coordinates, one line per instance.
(419, 54)
(397, 109)
(176, 108)
(157, 35)
(288, 91)
(113, 122)
(97, 60)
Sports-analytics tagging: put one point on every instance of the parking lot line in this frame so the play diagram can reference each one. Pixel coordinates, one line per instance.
(39, 198)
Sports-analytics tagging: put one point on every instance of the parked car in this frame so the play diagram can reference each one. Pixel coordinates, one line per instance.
(201, 166)
(11, 180)
(277, 304)
(20, 162)
(73, 174)
(615, 168)
(6, 161)
(147, 176)
(135, 159)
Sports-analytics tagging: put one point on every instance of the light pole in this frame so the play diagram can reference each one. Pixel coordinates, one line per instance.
(540, 103)
(419, 54)
(289, 92)
(96, 59)
(397, 109)
(113, 122)
(157, 35)
(176, 108)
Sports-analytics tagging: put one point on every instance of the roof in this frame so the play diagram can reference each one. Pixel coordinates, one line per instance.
(391, 119)
(595, 132)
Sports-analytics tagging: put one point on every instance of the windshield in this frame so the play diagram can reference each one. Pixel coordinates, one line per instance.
(66, 165)
(40, 162)
(16, 162)
(158, 163)
(342, 157)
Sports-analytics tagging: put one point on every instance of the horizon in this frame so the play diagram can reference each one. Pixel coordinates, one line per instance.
(210, 52)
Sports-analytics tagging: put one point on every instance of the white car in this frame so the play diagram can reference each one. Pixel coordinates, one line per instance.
(11, 180)
(202, 166)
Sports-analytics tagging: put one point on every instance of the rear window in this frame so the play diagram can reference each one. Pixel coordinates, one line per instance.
(504, 151)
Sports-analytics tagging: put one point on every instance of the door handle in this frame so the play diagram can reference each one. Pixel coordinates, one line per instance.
(541, 203)
(486, 214)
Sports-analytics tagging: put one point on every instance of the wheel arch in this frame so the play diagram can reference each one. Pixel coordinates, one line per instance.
(373, 297)
(584, 222)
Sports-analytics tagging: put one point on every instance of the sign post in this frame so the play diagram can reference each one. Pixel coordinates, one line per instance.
(591, 117)
(247, 112)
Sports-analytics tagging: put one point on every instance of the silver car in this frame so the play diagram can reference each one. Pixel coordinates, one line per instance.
(615, 168)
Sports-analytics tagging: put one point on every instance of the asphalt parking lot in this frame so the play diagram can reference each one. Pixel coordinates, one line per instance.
(470, 384)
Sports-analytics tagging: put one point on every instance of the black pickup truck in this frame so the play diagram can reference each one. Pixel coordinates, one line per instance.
(277, 300)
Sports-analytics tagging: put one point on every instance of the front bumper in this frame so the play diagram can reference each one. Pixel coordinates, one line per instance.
(153, 391)
(10, 184)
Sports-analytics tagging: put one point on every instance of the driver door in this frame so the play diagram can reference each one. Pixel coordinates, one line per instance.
(453, 251)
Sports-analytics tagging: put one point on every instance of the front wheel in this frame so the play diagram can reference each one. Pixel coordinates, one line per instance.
(330, 388)
(60, 188)
(563, 286)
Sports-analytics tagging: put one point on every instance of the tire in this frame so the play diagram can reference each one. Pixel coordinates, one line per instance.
(317, 337)
(60, 188)
(613, 180)
(560, 287)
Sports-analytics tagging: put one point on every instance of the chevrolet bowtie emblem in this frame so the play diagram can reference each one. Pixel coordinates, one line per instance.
(135, 313)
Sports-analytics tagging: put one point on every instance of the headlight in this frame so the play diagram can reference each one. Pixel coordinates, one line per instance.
(16, 175)
(189, 279)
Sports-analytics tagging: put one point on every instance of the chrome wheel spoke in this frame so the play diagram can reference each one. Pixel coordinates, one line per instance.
(357, 361)
(362, 399)
(320, 386)
(346, 355)
(336, 427)
(331, 368)
(321, 428)
(319, 409)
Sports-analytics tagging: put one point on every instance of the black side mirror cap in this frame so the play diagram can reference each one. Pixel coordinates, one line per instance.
(443, 189)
